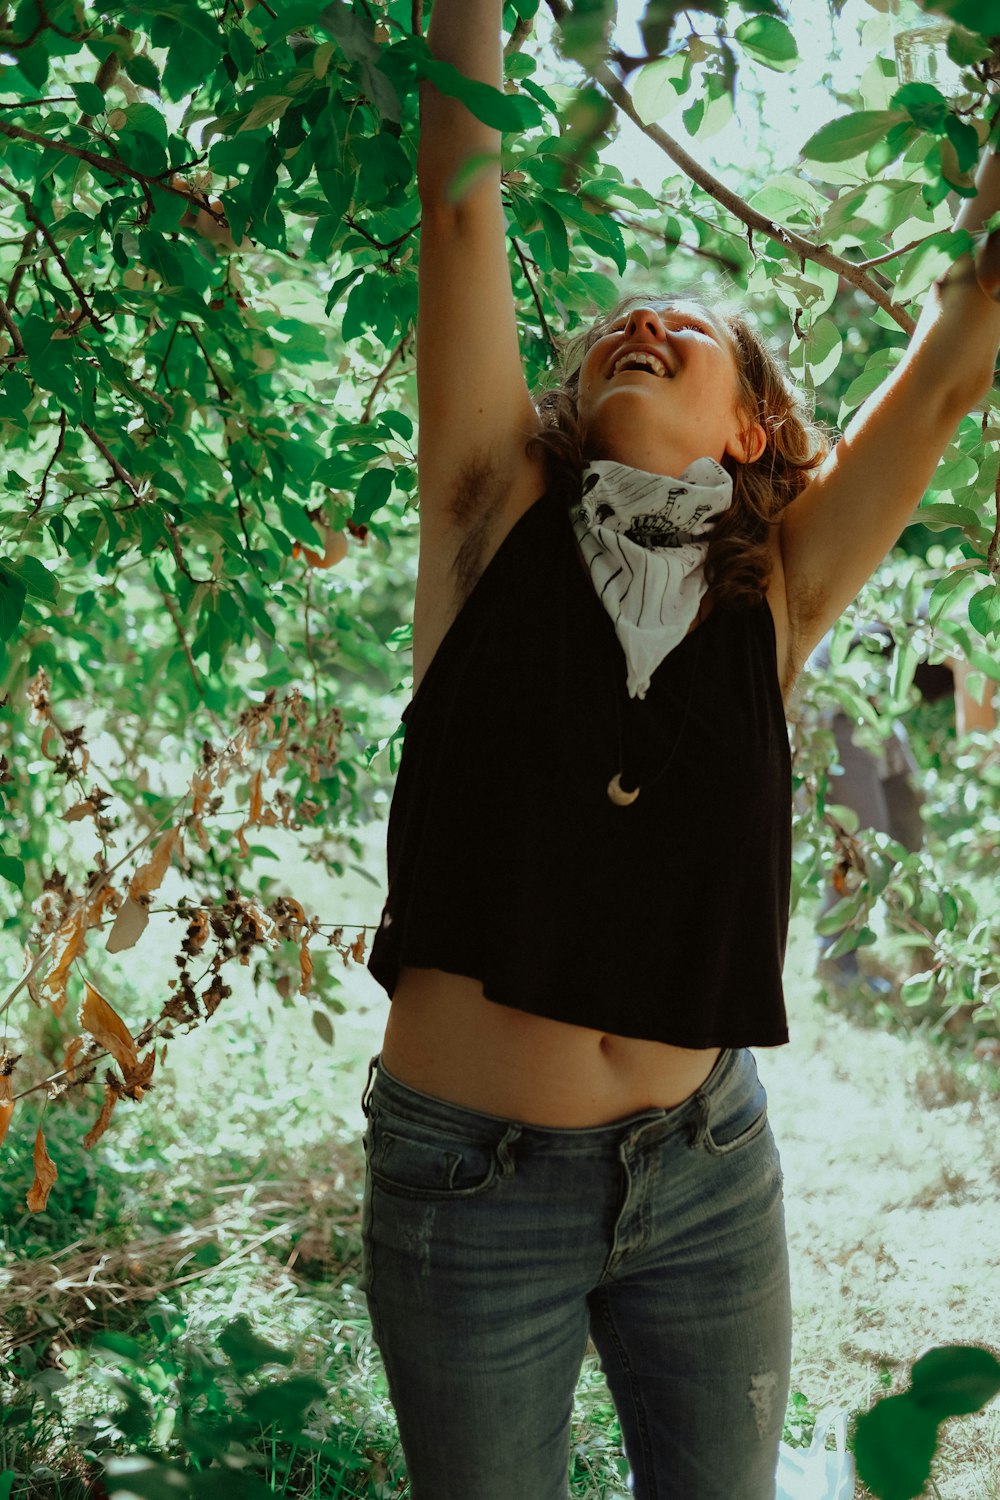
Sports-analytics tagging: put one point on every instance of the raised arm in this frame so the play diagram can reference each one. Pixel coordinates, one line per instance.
(475, 410)
(842, 525)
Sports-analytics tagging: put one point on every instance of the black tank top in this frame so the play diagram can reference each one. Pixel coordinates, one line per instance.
(507, 861)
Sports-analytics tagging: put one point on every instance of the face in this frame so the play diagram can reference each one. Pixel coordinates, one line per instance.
(660, 389)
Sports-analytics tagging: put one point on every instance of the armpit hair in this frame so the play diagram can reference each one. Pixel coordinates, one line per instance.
(475, 506)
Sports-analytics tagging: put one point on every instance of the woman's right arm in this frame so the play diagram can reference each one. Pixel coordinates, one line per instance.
(476, 414)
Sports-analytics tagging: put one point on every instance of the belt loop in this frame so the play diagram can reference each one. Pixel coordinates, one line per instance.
(699, 1126)
(366, 1095)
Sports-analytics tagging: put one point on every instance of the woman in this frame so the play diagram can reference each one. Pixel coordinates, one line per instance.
(589, 852)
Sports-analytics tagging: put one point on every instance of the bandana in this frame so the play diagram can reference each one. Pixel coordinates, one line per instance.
(644, 538)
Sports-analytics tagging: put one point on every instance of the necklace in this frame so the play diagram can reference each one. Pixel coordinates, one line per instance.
(616, 792)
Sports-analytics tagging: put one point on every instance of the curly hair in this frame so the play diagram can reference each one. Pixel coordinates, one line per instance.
(737, 564)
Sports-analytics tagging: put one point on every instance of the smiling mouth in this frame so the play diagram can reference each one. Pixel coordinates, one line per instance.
(643, 363)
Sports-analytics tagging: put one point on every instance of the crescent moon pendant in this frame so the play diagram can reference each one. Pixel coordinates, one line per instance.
(618, 796)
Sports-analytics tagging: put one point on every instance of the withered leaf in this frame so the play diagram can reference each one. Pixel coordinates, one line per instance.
(85, 809)
(69, 1057)
(108, 1028)
(6, 1105)
(51, 742)
(149, 876)
(358, 948)
(305, 967)
(256, 799)
(128, 927)
(104, 1118)
(45, 1176)
(71, 939)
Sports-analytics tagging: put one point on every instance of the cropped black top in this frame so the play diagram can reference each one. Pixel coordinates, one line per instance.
(507, 861)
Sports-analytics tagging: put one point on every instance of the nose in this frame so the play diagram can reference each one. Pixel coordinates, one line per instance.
(644, 322)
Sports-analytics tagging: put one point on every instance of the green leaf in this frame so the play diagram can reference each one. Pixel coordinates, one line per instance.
(918, 988)
(504, 112)
(298, 524)
(89, 98)
(12, 596)
(984, 610)
(768, 41)
(11, 870)
(954, 1380)
(952, 583)
(555, 234)
(943, 515)
(35, 578)
(284, 1402)
(842, 139)
(143, 71)
(925, 105)
(245, 1351)
(965, 141)
(659, 85)
(373, 491)
(818, 353)
(893, 1445)
(930, 260)
(323, 1026)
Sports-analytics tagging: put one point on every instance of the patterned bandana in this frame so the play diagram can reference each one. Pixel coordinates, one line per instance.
(644, 538)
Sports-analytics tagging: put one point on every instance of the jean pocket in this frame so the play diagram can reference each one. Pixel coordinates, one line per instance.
(420, 1162)
(733, 1125)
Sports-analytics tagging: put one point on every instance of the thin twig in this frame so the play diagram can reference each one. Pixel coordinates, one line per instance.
(535, 297)
(382, 377)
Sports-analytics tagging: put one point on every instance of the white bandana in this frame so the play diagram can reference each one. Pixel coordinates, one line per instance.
(644, 538)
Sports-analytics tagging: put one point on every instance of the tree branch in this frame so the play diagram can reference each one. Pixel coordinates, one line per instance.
(33, 218)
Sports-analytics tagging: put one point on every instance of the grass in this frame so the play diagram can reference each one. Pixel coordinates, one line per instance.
(223, 1211)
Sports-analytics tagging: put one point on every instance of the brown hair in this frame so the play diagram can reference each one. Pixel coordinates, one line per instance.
(737, 564)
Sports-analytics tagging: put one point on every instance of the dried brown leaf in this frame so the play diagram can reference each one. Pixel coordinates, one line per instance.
(201, 787)
(305, 967)
(129, 925)
(45, 1176)
(256, 799)
(85, 809)
(103, 1120)
(358, 948)
(73, 1046)
(108, 1028)
(149, 876)
(71, 937)
(137, 1080)
(6, 1105)
(198, 930)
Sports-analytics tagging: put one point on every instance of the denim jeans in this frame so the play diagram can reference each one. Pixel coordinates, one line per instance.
(492, 1248)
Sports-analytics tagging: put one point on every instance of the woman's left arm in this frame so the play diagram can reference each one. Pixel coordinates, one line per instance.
(834, 535)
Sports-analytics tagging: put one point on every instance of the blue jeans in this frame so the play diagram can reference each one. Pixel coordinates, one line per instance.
(493, 1248)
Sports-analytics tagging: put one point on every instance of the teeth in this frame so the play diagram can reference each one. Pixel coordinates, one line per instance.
(648, 361)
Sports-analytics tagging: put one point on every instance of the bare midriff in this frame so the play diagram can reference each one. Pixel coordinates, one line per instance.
(445, 1038)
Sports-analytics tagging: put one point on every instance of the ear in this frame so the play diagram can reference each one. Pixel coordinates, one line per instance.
(747, 445)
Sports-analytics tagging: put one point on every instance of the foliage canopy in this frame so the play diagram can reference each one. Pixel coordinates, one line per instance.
(207, 303)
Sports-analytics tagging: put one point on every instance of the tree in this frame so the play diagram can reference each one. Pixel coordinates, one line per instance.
(208, 298)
